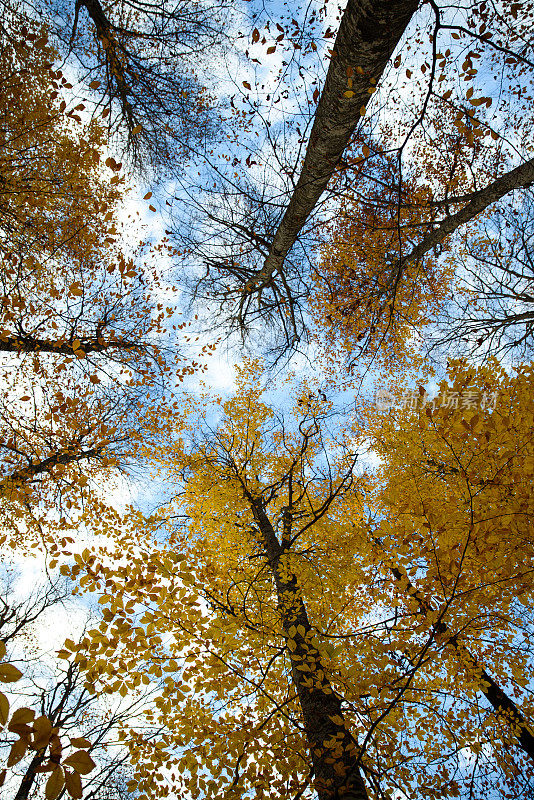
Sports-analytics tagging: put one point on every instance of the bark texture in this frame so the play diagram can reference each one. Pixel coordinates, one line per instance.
(368, 34)
(333, 750)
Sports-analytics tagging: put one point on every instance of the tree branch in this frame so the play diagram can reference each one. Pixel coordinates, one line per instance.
(518, 178)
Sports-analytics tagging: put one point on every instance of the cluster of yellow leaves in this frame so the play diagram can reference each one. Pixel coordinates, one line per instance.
(200, 613)
(450, 507)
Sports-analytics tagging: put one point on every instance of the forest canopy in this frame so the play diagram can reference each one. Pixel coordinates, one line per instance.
(266, 422)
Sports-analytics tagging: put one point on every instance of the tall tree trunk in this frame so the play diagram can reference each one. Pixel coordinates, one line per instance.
(333, 750)
(368, 34)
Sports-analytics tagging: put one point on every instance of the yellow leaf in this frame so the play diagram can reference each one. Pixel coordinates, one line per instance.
(348, 94)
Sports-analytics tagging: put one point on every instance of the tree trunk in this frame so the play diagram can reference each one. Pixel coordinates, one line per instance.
(368, 34)
(503, 705)
(334, 751)
(517, 178)
(29, 777)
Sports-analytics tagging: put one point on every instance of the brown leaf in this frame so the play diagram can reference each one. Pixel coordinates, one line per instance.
(73, 784)
(4, 709)
(42, 732)
(80, 761)
(76, 289)
(9, 673)
(20, 719)
(54, 784)
(80, 742)
(18, 751)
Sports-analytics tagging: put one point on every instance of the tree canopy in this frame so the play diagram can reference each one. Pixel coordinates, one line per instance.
(315, 583)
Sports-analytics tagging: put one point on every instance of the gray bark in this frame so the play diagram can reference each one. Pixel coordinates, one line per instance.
(368, 34)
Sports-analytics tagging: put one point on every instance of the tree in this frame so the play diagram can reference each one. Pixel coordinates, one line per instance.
(417, 118)
(54, 713)
(489, 312)
(145, 64)
(297, 660)
(451, 504)
(312, 636)
(84, 346)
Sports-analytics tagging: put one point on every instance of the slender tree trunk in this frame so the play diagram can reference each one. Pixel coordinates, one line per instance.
(368, 34)
(29, 777)
(334, 751)
(515, 179)
(115, 53)
(503, 705)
